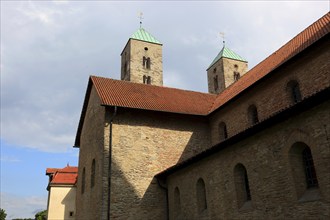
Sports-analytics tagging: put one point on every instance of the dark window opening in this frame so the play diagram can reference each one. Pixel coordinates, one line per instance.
(294, 90)
(223, 131)
(71, 214)
(247, 187)
(201, 195)
(214, 70)
(237, 75)
(148, 63)
(253, 114)
(144, 62)
(310, 172)
(149, 80)
(216, 84)
(242, 186)
(144, 79)
(146, 48)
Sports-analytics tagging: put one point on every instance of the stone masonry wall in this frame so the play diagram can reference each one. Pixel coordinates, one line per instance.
(270, 174)
(145, 143)
(311, 70)
(89, 203)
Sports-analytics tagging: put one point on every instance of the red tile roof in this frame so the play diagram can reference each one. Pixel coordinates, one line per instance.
(67, 175)
(157, 98)
(303, 40)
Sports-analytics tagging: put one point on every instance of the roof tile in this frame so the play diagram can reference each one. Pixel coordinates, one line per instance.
(67, 175)
(140, 96)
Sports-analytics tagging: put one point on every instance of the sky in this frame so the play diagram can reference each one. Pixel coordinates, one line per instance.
(50, 48)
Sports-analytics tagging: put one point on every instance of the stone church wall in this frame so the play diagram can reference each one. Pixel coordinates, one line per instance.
(145, 143)
(275, 193)
(311, 69)
(89, 203)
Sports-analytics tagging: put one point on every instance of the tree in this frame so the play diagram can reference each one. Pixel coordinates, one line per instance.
(3, 214)
(41, 215)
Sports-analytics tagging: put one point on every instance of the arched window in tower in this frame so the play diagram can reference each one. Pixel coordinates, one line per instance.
(125, 68)
(144, 79)
(253, 114)
(242, 185)
(177, 201)
(93, 174)
(237, 75)
(144, 62)
(223, 131)
(148, 63)
(83, 176)
(201, 195)
(294, 91)
(216, 83)
(149, 80)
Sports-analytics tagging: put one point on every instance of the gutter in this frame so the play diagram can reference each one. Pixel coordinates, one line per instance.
(109, 166)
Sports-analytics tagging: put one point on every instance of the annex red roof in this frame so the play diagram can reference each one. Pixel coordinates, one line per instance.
(140, 96)
(66, 176)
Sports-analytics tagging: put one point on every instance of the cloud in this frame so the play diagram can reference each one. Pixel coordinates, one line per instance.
(49, 49)
(9, 158)
(22, 206)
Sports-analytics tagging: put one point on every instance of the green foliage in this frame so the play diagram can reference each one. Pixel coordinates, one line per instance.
(3, 214)
(41, 215)
(22, 219)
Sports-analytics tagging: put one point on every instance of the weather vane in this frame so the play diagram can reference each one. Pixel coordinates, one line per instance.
(141, 17)
(222, 34)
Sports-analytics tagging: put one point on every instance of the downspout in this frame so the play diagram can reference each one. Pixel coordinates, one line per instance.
(109, 166)
(164, 187)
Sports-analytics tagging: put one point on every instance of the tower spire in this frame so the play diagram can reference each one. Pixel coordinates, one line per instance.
(222, 34)
(141, 17)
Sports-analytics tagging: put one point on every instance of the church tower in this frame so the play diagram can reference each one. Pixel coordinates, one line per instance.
(226, 68)
(141, 59)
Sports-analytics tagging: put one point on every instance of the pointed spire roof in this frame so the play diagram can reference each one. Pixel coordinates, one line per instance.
(227, 53)
(143, 35)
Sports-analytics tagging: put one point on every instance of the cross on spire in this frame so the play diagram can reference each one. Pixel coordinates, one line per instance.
(222, 34)
(141, 17)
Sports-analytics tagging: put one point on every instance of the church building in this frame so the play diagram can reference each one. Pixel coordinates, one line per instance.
(256, 146)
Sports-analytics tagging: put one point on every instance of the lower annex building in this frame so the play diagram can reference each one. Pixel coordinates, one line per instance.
(257, 146)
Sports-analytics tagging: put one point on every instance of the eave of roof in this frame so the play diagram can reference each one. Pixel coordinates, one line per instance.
(278, 117)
